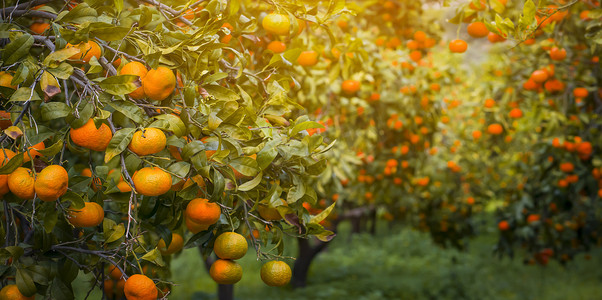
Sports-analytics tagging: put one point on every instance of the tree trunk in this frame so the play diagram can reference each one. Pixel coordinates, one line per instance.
(373, 221)
(224, 291)
(307, 253)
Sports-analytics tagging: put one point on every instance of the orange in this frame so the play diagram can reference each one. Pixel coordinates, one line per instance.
(87, 50)
(5, 120)
(91, 215)
(114, 272)
(225, 271)
(140, 287)
(580, 92)
(489, 103)
(495, 38)
(276, 273)
(515, 113)
(481, 5)
(477, 29)
(419, 36)
(5, 156)
(11, 292)
(458, 46)
(567, 167)
(203, 212)
(415, 55)
(148, 141)
(277, 46)
(151, 181)
(33, 152)
(557, 53)
(495, 129)
(96, 183)
(308, 58)
(177, 243)
(195, 227)
(39, 28)
(350, 87)
(21, 183)
(532, 218)
(138, 69)
(51, 183)
(503, 225)
(539, 76)
(88, 136)
(476, 134)
(230, 245)
(159, 83)
(278, 24)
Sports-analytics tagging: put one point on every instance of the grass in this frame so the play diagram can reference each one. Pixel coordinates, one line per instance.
(401, 263)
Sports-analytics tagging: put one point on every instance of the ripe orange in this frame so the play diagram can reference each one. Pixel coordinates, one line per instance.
(51, 183)
(350, 87)
(138, 69)
(458, 46)
(203, 212)
(148, 141)
(580, 92)
(91, 215)
(159, 83)
(477, 29)
(277, 46)
(539, 76)
(11, 292)
(88, 136)
(476, 134)
(140, 287)
(151, 181)
(177, 243)
(308, 58)
(489, 103)
(503, 225)
(195, 227)
(481, 5)
(96, 183)
(33, 152)
(557, 53)
(419, 36)
(21, 183)
(495, 129)
(230, 245)
(495, 38)
(114, 272)
(278, 24)
(39, 28)
(5, 156)
(567, 167)
(87, 50)
(415, 55)
(515, 113)
(276, 273)
(224, 271)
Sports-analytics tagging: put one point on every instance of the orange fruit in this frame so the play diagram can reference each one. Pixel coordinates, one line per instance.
(5, 156)
(21, 183)
(495, 129)
(177, 243)
(489, 103)
(481, 5)
(308, 58)
(230, 245)
(458, 46)
(138, 69)
(415, 55)
(503, 225)
(195, 227)
(148, 141)
(495, 38)
(151, 181)
(33, 152)
(278, 24)
(87, 50)
(90, 137)
(539, 76)
(477, 29)
(39, 28)
(580, 92)
(567, 167)
(11, 292)
(557, 53)
(203, 212)
(96, 183)
(140, 287)
(277, 46)
(350, 87)
(159, 83)
(515, 113)
(476, 134)
(225, 271)
(51, 183)
(114, 272)
(419, 36)
(91, 215)
(276, 273)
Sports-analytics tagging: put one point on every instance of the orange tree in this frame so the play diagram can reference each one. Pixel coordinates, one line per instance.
(132, 130)
(534, 127)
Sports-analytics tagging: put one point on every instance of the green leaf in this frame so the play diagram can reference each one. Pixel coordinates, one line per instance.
(63, 71)
(176, 126)
(251, 184)
(50, 219)
(115, 233)
(245, 165)
(528, 15)
(60, 290)
(304, 126)
(221, 93)
(56, 57)
(121, 139)
(77, 202)
(17, 49)
(52, 150)
(108, 32)
(12, 164)
(119, 85)
(24, 94)
(129, 109)
(317, 168)
(80, 14)
(25, 283)
(118, 5)
(54, 110)
(322, 215)
(154, 256)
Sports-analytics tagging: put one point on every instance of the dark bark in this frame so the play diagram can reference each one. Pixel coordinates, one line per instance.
(224, 291)
(373, 221)
(307, 253)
